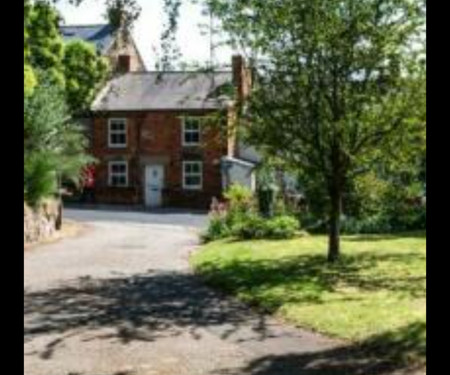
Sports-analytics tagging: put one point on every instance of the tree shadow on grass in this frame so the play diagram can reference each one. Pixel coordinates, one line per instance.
(385, 237)
(143, 307)
(306, 278)
(380, 355)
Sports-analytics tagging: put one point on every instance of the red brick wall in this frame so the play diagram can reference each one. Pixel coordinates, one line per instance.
(156, 137)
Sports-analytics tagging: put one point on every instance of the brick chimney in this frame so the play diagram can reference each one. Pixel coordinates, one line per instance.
(242, 77)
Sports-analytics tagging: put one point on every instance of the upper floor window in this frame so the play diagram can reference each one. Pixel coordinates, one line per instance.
(117, 132)
(191, 131)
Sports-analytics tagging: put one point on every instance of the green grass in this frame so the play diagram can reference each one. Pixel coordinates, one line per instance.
(374, 295)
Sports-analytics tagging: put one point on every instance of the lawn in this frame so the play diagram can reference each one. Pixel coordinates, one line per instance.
(374, 295)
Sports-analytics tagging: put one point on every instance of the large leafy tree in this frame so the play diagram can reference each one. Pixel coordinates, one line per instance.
(338, 82)
(44, 47)
(85, 71)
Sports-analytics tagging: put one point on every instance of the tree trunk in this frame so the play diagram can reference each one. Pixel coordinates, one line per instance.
(58, 223)
(334, 225)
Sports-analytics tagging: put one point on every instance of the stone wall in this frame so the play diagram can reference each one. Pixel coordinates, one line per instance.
(40, 223)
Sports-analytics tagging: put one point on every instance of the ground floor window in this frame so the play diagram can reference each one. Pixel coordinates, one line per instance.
(118, 173)
(192, 175)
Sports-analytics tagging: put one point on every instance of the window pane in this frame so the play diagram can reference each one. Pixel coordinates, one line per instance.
(192, 124)
(118, 139)
(117, 125)
(114, 180)
(191, 138)
(195, 168)
(192, 180)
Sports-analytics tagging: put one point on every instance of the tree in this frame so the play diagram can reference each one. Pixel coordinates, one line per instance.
(122, 13)
(43, 44)
(54, 147)
(338, 81)
(85, 71)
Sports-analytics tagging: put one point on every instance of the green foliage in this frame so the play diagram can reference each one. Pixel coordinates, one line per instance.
(249, 226)
(239, 218)
(122, 12)
(217, 228)
(375, 294)
(84, 71)
(170, 51)
(339, 83)
(281, 227)
(220, 222)
(253, 226)
(39, 177)
(29, 80)
(267, 189)
(224, 216)
(54, 147)
(43, 44)
(239, 197)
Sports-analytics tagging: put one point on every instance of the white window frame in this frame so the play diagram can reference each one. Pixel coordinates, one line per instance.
(200, 174)
(183, 140)
(110, 132)
(110, 174)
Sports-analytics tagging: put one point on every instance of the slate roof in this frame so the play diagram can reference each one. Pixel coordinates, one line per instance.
(164, 91)
(101, 36)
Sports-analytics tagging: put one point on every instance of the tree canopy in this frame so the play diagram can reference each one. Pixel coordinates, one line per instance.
(339, 83)
(84, 72)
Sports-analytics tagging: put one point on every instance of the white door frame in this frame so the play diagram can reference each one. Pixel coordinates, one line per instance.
(152, 191)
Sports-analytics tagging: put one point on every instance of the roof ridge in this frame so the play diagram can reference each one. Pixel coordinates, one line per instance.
(179, 72)
(86, 25)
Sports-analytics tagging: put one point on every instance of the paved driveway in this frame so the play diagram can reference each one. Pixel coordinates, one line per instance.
(120, 300)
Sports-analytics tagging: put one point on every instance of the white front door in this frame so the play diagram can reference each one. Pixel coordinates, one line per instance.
(154, 183)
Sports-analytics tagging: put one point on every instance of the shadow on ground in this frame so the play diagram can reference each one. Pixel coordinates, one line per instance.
(156, 304)
(144, 307)
(356, 359)
(306, 278)
(385, 237)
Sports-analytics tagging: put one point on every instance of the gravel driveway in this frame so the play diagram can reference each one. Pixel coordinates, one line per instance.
(120, 300)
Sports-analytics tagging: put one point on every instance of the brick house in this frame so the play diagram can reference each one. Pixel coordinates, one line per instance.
(168, 139)
(117, 45)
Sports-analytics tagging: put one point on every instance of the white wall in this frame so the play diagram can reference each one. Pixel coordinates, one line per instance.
(239, 172)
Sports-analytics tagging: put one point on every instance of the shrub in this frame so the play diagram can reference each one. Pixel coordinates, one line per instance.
(238, 217)
(281, 227)
(251, 226)
(218, 226)
(217, 229)
(240, 198)
(255, 227)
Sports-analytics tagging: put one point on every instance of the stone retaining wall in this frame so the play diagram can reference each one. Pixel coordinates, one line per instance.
(41, 223)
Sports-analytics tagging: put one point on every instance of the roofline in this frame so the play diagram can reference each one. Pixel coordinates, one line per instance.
(240, 161)
(138, 52)
(96, 111)
(86, 25)
(180, 72)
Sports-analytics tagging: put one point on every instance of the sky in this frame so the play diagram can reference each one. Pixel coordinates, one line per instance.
(193, 45)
